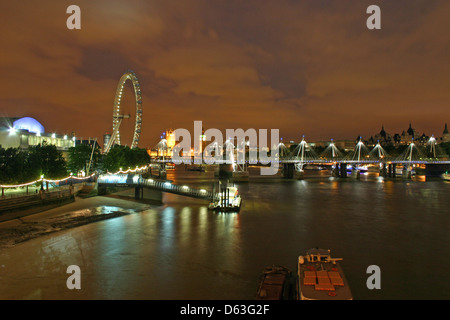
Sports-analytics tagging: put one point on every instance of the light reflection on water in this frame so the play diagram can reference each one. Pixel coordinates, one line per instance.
(183, 251)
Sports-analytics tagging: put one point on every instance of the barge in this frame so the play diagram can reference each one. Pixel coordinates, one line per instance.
(320, 277)
(274, 284)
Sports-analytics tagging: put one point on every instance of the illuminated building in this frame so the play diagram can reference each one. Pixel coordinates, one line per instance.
(170, 137)
(346, 145)
(26, 132)
(409, 135)
(383, 138)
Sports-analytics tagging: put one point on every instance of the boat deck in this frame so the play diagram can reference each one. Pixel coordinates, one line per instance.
(275, 284)
(322, 280)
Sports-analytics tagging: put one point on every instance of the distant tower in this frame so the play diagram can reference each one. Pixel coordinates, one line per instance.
(106, 138)
(383, 137)
(170, 137)
(410, 131)
(445, 135)
(203, 140)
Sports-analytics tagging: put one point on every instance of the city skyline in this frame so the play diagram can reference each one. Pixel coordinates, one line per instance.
(305, 68)
(12, 128)
(224, 150)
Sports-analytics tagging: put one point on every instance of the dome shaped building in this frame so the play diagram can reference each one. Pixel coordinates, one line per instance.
(25, 132)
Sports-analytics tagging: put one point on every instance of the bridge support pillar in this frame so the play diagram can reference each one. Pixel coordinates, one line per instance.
(335, 170)
(383, 170)
(288, 170)
(343, 170)
(138, 193)
(406, 172)
(225, 171)
(392, 170)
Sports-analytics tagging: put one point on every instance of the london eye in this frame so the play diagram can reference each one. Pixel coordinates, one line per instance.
(118, 115)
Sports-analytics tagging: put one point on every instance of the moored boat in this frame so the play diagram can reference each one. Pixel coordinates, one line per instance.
(320, 277)
(314, 167)
(274, 284)
(446, 176)
(361, 169)
(228, 201)
(198, 168)
(170, 165)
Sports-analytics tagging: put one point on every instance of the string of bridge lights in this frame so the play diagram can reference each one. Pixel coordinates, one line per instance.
(130, 170)
(45, 180)
(166, 184)
(42, 179)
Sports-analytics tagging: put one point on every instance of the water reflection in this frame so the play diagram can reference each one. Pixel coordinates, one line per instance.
(185, 220)
(183, 251)
(167, 233)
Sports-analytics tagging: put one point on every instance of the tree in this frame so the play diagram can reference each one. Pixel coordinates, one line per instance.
(32, 167)
(140, 157)
(80, 155)
(11, 165)
(50, 161)
(445, 146)
(124, 157)
(19, 166)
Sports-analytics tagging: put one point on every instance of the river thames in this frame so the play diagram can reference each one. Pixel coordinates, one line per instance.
(180, 250)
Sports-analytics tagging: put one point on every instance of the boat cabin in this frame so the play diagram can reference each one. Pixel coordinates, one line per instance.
(320, 256)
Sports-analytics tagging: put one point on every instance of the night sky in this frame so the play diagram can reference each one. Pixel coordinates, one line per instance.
(306, 67)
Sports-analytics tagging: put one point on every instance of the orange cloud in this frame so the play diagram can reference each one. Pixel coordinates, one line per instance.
(308, 68)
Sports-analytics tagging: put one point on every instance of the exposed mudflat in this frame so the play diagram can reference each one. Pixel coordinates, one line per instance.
(78, 213)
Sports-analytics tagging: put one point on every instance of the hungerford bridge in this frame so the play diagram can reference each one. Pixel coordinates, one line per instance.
(293, 163)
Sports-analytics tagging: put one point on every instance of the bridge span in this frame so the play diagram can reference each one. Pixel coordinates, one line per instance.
(136, 181)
